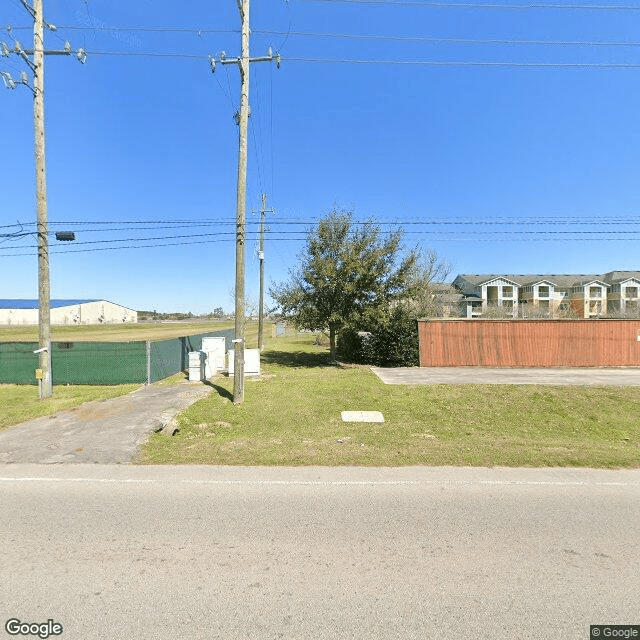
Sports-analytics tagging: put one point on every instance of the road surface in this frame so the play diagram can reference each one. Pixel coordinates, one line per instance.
(127, 552)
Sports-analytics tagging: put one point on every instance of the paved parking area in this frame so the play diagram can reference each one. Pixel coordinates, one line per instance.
(596, 377)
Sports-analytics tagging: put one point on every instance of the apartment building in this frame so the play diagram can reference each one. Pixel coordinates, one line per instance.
(548, 295)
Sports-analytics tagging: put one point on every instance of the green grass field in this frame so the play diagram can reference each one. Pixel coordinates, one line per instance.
(291, 416)
(115, 332)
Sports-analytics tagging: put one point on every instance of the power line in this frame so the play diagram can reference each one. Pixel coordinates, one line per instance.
(149, 239)
(480, 5)
(453, 40)
(312, 220)
(295, 235)
(374, 37)
(191, 30)
(471, 63)
(381, 37)
(143, 246)
(424, 63)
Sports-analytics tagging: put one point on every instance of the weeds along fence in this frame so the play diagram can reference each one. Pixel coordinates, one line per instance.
(103, 363)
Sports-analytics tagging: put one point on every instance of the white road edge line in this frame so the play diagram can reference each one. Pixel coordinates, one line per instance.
(320, 483)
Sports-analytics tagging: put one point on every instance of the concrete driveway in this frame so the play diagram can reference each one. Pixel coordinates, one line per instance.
(108, 431)
(596, 377)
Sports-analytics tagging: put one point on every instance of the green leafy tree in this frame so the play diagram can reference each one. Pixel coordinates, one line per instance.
(349, 273)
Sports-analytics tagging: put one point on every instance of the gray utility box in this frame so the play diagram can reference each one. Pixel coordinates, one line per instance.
(196, 366)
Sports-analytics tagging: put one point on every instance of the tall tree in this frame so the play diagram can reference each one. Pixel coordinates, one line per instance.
(348, 272)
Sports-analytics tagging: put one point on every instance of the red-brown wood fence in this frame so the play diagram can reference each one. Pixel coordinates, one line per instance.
(529, 343)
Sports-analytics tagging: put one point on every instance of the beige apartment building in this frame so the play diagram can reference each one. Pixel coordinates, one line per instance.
(547, 295)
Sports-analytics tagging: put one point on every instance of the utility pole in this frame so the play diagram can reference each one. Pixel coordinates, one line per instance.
(42, 224)
(241, 201)
(243, 63)
(44, 287)
(261, 256)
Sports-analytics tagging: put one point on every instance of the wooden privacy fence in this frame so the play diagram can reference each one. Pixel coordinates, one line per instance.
(529, 343)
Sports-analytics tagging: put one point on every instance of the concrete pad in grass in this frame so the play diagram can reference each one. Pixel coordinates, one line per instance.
(362, 416)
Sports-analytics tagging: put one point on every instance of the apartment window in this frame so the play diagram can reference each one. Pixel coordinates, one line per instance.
(543, 292)
(508, 304)
(631, 292)
(543, 305)
(595, 292)
(507, 292)
(595, 307)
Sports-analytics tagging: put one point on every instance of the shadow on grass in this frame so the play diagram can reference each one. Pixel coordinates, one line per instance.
(221, 391)
(298, 359)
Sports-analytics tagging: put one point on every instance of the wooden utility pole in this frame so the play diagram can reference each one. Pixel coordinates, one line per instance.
(44, 288)
(241, 201)
(243, 63)
(261, 256)
(42, 223)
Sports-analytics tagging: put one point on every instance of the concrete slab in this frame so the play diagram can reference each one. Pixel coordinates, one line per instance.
(362, 416)
(105, 432)
(596, 377)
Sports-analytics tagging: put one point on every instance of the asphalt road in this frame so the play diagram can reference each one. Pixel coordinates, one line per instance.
(126, 552)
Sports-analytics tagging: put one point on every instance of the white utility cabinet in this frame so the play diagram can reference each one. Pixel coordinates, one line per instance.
(213, 347)
(251, 362)
(196, 366)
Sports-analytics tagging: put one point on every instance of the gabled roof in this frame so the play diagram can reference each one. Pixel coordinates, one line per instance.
(620, 276)
(560, 281)
(477, 279)
(542, 281)
(590, 282)
(34, 304)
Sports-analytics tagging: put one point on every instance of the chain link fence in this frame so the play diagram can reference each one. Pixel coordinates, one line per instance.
(103, 363)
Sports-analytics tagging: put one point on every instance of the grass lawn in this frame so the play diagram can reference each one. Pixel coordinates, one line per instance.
(291, 416)
(21, 402)
(116, 332)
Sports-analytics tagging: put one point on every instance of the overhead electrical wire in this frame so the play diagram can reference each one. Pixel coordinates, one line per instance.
(144, 246)
(452, 40)
(392, 38)
(488, 5)
(537, 235)
(600, 220)
(472, 63)
(424, 63)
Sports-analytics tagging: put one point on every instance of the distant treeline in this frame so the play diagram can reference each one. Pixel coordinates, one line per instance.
(157, 315)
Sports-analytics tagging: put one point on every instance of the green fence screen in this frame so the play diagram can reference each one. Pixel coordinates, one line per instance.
(102, 363)
(171, 356)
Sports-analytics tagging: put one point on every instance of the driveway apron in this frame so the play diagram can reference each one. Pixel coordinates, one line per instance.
(108, 432)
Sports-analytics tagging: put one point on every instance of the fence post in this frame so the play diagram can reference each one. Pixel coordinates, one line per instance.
(148, 361)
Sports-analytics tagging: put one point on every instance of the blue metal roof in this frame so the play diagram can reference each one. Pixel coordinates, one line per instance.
(34, 304)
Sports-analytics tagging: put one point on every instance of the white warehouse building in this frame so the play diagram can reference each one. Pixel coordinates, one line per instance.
(69, 312)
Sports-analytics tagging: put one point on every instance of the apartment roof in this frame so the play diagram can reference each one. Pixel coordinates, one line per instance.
(560, 280)
(621, 276)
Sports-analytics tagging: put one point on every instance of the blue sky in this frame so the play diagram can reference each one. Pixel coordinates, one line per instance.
(410, 128)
